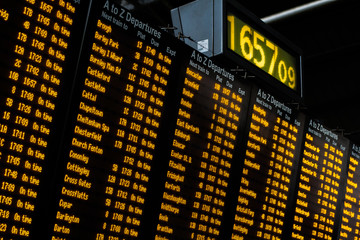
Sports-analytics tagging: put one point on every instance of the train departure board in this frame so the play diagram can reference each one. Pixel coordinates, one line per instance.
(117, 119)
(271, 157)
(323, 165)
(113, 129)
(350, 218)
(209, 118)
(38, 42)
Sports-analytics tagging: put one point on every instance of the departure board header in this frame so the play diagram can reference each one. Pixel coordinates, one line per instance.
(117, 14)
(111, 128)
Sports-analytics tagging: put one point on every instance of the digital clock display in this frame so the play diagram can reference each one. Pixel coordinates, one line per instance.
(251, 44)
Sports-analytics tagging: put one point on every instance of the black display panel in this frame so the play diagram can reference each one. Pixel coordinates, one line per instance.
(39, 47)
(269, 167)
(322, 173)
(211, 114)
(119, 110)
(350, 217)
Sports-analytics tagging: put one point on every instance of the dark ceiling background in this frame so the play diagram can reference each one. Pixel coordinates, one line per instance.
(330, 39)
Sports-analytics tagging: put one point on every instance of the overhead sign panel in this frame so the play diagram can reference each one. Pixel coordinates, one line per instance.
(226, 30)
(249, 43)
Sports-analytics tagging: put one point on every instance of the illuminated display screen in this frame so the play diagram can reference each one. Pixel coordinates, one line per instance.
(323, 165)
(210, 115)
(252, 45)
(350, 219)
(117, 121)
(38, 42)
(270, 162)
(112, 129)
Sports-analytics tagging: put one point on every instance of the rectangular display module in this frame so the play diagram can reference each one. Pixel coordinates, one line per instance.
(350, 212)
(210, 116)
(321, 173)
(38, 53)
(226, 30)
(249, 41)
(246, 41)
(271, 158)
(117, 116)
